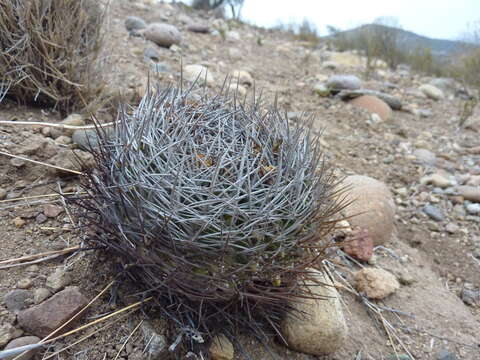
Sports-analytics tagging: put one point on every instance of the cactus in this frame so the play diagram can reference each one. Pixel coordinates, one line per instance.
(216, 208)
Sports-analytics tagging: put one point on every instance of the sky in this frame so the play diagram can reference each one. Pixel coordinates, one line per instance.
(442, 19)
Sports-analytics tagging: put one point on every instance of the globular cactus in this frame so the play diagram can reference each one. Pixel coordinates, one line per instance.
(217, 208)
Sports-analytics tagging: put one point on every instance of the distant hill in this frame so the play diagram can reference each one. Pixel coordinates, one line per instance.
(410, 41)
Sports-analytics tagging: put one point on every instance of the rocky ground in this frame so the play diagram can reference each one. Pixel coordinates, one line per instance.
(406, 133)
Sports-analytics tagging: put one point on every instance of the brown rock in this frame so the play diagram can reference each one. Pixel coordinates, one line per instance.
(23, 341)
(19, 222)
(6, 334)
(221, 348)
(359, 244)
(372, 209)
(376, 283)
(42, 319)
(471, 193)
(164, 35)
(52, 211)
(374, 105)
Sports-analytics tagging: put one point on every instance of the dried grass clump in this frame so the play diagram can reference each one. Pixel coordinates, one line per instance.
(49, 51)
(217, 209)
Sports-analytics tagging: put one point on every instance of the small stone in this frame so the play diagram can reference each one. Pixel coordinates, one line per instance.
(6, 334)
(376, 283)
(233, 36)
(151, 54)
(134, 23)
(157, 343)
(41, 218)
(58, 279)
(437, 180)
(425, 156)
(343, 82)
(445, 355)
(321, 90)
(198, 73)
(19, 222)
(433, 212)
(86, 139)
(359, 244)
(42, 319)
(470, 297)
(432, 92)
(23, 341)
(17, 300)
(452, 228)
(3, 193)
(406, 278)
(52, 211)
(24, 283)
(471, 193)
(40, 295)
(239, 89)
(221, 348)
(473, 209)
(164, 35)
(243, 77)
(373, 105)
(18, 163)
(63, 140)
(198, 28)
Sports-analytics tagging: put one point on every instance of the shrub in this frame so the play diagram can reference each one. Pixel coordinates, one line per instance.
(49, 51)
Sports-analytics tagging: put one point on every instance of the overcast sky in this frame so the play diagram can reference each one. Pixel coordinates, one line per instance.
(444, 19)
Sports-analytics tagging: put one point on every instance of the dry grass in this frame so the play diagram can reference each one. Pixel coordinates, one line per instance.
(50, 52)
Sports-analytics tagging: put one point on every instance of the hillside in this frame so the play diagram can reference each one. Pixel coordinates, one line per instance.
(406, 133)
(409, 41)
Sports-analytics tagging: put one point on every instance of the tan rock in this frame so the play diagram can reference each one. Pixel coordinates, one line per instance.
(471, 193)
(376, 283)
(198, 73)
(317, 326)
(243, 77)
(372, 207)
(164, 35)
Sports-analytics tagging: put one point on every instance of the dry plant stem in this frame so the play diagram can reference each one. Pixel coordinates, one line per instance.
(128, 338)
(59, 126)
(41, 255)
(39, 197)
(41, 163)
(30, 262)
(85, 337)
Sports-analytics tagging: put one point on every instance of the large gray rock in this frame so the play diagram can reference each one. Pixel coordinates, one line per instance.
(42, 319)
(23, 341)
(392, 101)
(344, 82)
(164, 35)
(318, 326)
(447, 85)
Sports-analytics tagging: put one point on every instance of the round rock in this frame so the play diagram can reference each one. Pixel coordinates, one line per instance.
(432, 92)
(164, 35)
(372, 207)
(373, 105)
(376, 283)
(344, 82)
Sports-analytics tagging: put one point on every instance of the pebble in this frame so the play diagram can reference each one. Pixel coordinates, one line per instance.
(470, 297)
(452, 228)
(52, 211)
(376, 283)
(437, 180)
(445, 355)
(17, 300)
(434, 212)
(425, 156)
(24, 283)
(162, 34)
(471, 193)
(6, 334)
(134, 23)
(3, 193)
(343, 82)
(157, 343)
(41, 218)
(58, 279)
(473, 208)
(18, 163)
(23, 341)
(19, 222)
(40, 295)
